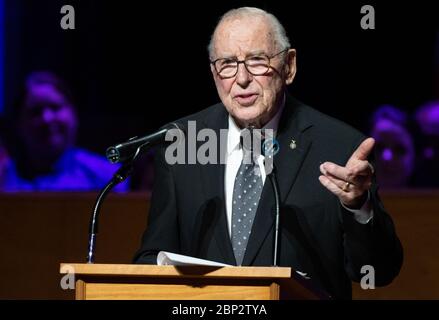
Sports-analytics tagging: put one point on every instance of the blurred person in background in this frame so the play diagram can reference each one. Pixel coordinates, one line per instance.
(427, 169)
(427, 129)
(42, 145)
(394, 148)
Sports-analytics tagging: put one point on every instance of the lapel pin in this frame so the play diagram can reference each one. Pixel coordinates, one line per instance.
(293, 144)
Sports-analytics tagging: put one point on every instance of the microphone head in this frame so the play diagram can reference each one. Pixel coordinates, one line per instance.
(134, 146)
(112, 154)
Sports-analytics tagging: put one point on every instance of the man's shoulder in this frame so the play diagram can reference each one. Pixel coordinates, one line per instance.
(326, 125)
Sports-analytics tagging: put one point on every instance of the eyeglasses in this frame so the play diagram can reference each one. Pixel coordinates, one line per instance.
(257, 65)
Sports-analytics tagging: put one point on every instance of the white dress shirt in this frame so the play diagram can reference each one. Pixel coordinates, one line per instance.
(233, 159)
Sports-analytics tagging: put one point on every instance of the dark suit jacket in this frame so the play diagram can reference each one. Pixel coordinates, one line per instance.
(318, 236)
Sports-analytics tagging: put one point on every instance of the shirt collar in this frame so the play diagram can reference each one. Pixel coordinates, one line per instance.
(234, 134)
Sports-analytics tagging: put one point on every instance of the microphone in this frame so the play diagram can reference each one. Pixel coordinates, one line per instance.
(125, 153)
(130, 149)
(270, 147)
(273, 180)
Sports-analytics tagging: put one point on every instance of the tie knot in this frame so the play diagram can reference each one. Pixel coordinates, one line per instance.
(250, 142)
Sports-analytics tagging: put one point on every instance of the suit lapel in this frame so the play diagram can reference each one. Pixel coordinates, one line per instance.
(294, 146)
(213, 182)
(287, 164)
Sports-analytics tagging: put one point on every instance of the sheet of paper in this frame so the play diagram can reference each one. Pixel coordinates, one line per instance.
(174, 259)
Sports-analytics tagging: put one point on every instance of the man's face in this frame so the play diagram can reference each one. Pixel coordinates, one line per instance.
(47, 121)
(248, 98)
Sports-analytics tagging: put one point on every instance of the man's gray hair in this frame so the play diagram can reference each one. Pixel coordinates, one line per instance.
(280, 36)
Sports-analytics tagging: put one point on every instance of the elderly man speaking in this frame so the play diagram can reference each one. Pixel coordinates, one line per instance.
(333, 223)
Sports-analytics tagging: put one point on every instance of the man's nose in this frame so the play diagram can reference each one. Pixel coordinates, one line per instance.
(243, 77)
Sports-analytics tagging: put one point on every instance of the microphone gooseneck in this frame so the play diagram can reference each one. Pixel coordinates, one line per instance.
(273, 180)
(120, 175)
(125, 153)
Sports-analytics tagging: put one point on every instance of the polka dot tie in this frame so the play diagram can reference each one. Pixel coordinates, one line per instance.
(246, 193)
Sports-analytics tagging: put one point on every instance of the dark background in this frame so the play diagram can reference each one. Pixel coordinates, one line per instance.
(135, 65)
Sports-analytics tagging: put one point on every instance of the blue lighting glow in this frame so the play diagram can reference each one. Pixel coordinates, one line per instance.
(2, 54)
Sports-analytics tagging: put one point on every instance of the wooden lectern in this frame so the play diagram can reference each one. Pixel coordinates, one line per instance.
(151, 282)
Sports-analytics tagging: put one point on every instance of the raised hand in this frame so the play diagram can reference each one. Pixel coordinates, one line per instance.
(351, 182)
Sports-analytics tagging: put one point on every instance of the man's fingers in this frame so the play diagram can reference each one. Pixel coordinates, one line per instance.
(363, 150)
(334, 170)
(341, 184)
(362, 168)
(339, 172)
(331, 186)
(359, 175)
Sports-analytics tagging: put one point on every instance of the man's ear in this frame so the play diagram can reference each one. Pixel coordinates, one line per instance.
(290, 66)
(212, 69)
